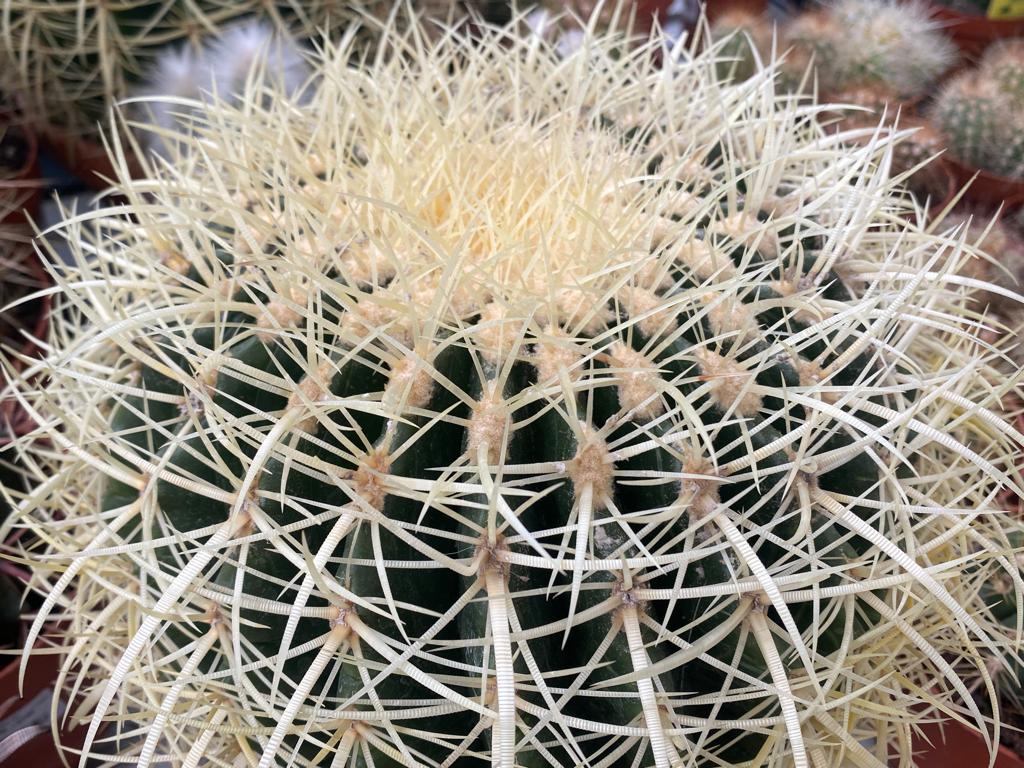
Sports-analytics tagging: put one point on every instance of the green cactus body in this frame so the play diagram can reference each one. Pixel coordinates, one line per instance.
(1003, 63)
(972, 117)
(1010, 77)
(454, 421)
(1010, 161)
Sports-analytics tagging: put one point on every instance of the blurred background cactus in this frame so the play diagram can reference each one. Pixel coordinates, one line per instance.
(882, 50)
(979, 113)
(184, 77)
(518, 406)
(70, 60)
(974, 118)
(1003, 64)
(888, 44)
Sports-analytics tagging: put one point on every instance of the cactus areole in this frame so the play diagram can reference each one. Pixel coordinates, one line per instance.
(497, 408)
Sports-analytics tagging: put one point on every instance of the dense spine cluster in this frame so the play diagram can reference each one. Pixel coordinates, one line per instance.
(499, 407)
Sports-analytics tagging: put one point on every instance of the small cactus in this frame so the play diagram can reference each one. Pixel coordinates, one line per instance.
(974, 118)
(1003, 63)
(913, 156)
(981, 122)
(916, 155)
(566, 23)
(884, 43)
(999, 264)
(814, 37)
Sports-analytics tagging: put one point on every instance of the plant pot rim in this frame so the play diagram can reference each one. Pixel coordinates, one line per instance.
(986, 187)
(949, 14)
(973, 33)
(87, 158)
(951, 742)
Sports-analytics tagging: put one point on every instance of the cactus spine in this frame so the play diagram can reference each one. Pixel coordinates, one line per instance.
(748, 42)
(500, 408)
(220, 68)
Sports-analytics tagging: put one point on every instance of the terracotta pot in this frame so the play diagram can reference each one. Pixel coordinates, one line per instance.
(716, 8)
(21, 191)
(647, 11)
(974, 33)
(987, 189)
(954, 744)
(86, 159)
(33, 745)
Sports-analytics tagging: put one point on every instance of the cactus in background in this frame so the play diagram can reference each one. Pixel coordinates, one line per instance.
(915, 155)
(896, 44)
(566, 24)
(999, 266)
(1005, 271)
(873, 43)
(220, 68)
(502, 408)
(72, 61)
(974, 118)
(813, 38)
(1003, 63)
(980, 122)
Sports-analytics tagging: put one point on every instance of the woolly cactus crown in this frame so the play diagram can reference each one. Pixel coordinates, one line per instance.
(502, 408)
(220, 68)
(895, 46)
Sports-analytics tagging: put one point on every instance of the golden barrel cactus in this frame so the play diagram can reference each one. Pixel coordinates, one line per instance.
(499, 407)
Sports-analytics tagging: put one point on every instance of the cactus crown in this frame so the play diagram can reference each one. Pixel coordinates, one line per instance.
(500, 407)
(876, 43)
